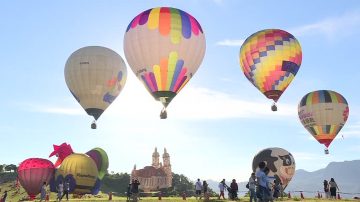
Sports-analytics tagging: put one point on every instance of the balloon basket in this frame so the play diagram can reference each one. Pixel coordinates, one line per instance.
(93, 125)
(163, 114)
(32, 197)
(326, 151)
(274, 107)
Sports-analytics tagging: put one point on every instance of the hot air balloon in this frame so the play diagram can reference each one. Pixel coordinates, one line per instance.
(280, 162)
(81, 171)
(101, 160)
(95, 76)
(270, 60)
(61, 151)
(164, 47)
(33, 172)
(323, 113)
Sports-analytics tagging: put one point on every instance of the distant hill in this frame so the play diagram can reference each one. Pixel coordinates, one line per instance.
(346, 175)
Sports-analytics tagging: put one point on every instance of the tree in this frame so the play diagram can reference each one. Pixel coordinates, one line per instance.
(116, 183)
(2, 168)
(10, 168)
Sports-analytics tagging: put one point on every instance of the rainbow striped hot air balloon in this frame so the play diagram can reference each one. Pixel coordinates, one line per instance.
(164, 47)
(323, 113)
(270, 60)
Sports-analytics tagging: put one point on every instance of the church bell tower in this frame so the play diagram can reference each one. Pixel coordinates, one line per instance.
(155, 159)
(167, 168)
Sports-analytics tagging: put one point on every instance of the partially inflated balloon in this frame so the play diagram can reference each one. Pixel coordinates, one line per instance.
(280, 162)
(95, 76)
(33, 172)
(323, 113)
(270, 60)
(81, 171)
(164, 47)
(101, 160)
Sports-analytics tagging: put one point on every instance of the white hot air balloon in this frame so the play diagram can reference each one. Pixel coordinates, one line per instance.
(95, 76)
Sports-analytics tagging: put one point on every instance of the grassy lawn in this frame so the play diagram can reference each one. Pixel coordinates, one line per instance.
(12, 197)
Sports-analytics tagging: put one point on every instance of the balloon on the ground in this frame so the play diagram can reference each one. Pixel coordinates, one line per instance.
(82, 172)
(101, 160)
(323, 113)
(164, 47)
(61, 151)
(33, 172)
(95, 76)
(280, 162)
(270, 60)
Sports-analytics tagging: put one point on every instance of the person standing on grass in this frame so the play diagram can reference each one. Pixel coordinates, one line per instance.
(60, 190)
(128, 192)
(66, 190)
(252, 187)
(43, 192)
(326, 189)
(4, 196)
(277, 189)
(198, 188)
(261, 185)
(234, 189)
(333, 187)
(205, 189)
(222, 187)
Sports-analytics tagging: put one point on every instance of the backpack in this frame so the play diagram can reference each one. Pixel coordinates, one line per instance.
(247, 186)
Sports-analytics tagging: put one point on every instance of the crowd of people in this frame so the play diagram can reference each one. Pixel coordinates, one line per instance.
(132, 192)
(261, 188)
(201, 188)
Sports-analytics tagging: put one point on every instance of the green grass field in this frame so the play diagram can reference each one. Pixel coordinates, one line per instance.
(21, 195)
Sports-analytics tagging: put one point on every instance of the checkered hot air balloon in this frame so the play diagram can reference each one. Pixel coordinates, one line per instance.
(323, 113)
(270, 60)
(164, 47)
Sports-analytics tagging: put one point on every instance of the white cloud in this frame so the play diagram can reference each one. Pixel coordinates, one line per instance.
(354, 149)
(231, 42)
(351, 130)
(192, 103)
(60, 110)
(331, 27)
(306, 156)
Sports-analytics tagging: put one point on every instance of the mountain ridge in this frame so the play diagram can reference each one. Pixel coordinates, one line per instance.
(345, 173)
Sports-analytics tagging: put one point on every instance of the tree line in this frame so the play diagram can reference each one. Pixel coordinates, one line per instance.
(118, 183)
(8, 168)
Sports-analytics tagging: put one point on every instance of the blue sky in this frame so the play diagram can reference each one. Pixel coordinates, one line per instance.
(215, 125)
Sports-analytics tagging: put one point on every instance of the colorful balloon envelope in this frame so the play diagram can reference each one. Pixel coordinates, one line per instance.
(101, 160)
(270, 60)
(164, 47)
(81, 171)
(280, 162)
(95, 76)
(323, 113)
(33, 172)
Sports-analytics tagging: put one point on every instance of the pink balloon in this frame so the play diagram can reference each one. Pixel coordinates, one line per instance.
(33, 172)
